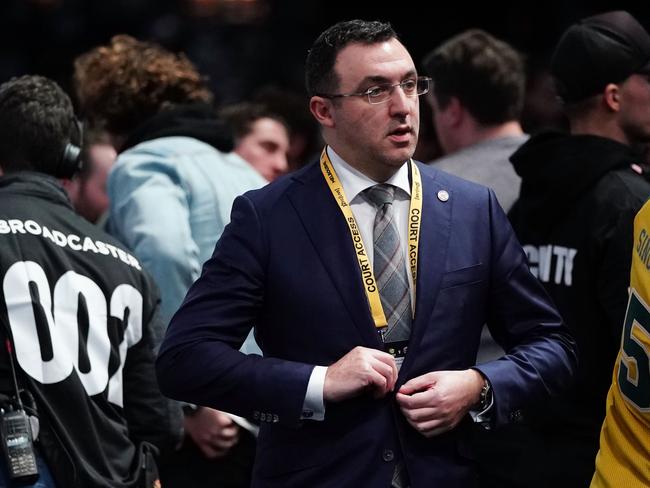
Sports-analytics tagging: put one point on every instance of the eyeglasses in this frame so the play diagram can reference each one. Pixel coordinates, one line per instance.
(383, 91)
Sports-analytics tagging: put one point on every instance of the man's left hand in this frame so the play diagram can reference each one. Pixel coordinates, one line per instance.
(436, 402)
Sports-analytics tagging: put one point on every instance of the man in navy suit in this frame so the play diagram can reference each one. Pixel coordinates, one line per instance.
(367, 377)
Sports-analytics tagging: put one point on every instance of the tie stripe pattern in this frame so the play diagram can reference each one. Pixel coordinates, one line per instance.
(389, 264)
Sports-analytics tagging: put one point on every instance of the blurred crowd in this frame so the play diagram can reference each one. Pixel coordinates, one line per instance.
(182, 105)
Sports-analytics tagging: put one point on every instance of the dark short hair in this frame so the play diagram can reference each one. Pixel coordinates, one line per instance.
(240, 117)
(485, 74)
(127, 81)
(320, 76)
(37, 120)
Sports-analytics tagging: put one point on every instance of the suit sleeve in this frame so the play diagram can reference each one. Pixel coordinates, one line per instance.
(540, 358)
(199, 361)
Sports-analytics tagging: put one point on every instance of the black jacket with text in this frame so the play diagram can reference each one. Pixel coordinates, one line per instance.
(574, 218)
(82, 318)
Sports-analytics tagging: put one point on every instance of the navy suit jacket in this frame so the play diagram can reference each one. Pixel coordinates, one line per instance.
(285, 265)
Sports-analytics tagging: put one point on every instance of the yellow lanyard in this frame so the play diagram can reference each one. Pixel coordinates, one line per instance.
(367, 275)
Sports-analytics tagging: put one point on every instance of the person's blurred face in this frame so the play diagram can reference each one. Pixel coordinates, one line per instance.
(265, 147)
(91, 200)
(375, 138)
(634, 98)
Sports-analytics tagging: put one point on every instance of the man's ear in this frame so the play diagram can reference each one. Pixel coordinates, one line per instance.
(611, 96)
(451, 115)
(454, 112)
(321, 109)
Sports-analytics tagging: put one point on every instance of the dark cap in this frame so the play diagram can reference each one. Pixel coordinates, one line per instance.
(598, 50)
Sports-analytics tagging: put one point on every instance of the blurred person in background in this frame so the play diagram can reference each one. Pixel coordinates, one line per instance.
(574, 217)
(261, 137)
(87, 190)
(477, 98)
(305, 140)
(76, 307)
(170, 192)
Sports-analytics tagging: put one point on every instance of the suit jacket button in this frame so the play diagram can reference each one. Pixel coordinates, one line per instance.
(276, 419)
(263, 417)
(256, 415)
(388, 455)
(516, 416)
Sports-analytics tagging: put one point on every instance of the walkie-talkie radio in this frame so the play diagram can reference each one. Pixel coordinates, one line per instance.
(16, 435)
(18, 446)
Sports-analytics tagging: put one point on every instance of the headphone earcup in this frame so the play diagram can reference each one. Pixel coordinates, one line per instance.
(70, 161)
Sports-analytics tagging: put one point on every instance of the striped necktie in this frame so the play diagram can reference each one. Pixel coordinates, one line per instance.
(389, 264)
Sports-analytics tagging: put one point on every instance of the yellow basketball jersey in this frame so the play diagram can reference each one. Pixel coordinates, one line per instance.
(624, 457)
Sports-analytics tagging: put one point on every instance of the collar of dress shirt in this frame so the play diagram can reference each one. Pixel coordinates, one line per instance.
(354, 181)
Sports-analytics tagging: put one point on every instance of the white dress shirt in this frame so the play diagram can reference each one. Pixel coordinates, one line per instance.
(354, 182)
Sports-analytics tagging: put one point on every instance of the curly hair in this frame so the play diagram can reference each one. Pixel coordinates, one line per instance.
(120, 85)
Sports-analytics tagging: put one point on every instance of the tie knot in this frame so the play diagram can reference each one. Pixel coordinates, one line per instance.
(379, 195)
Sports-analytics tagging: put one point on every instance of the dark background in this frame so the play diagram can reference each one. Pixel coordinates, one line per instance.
(43, 36)
(244, 45)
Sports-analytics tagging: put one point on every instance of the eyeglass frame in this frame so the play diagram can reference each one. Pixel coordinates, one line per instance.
(390, 89)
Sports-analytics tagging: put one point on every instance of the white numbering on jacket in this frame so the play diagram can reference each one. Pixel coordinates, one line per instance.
(60, 310)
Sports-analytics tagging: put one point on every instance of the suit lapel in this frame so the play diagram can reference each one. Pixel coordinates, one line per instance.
(329, 234)
(432, 257)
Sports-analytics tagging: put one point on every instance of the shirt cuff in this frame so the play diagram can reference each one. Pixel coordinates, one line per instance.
(484, 417)
(313, 407)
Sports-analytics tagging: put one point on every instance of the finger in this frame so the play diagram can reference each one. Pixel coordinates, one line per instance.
(418, 383)
(221, 443)
(421, 415)
(436, 431)
(386, 371)
(390, 361)
(423, 399)
(434, 427)
(224, 420)
(377, 383)
(228, 433)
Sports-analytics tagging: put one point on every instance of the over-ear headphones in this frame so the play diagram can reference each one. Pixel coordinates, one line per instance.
(70, 161)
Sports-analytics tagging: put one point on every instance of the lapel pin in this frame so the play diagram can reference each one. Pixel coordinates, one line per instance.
(443, 196)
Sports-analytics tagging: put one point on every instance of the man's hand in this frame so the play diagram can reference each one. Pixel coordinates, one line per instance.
(436, 402)
(213, 431)
(360, 370)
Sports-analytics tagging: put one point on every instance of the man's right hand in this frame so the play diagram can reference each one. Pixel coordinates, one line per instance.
(362, 369)
(212, 431)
